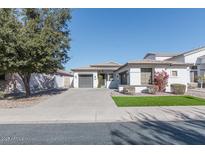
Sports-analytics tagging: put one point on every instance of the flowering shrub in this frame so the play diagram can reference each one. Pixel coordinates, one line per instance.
(161, 80)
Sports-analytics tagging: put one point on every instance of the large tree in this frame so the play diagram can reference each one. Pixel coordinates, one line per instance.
(33, 41)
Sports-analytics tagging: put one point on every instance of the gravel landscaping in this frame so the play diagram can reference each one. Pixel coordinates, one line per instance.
(19, 101)
(198, 92)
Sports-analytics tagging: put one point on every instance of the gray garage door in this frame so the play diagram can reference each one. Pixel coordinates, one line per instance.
(85, 81)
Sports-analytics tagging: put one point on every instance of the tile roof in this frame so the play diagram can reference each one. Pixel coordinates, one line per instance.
(94, 68)
(64, 73)
(111, 63)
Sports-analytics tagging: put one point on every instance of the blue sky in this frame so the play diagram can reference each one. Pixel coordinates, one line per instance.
(100, 35)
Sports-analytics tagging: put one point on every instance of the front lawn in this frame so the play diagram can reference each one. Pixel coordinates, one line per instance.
(123, 101)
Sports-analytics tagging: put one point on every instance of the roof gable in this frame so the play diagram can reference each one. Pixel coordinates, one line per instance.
(111, 64)
(194, 51)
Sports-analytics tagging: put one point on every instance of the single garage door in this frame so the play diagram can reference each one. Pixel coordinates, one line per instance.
(85, 81)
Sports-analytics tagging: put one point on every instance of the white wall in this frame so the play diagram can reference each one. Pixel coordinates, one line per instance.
(71, 81)
(135, 76)
(182, 78)
(192, 58)
(113, 84)
(76, 78)
(162, 58)
(59, 81)
(38, 82)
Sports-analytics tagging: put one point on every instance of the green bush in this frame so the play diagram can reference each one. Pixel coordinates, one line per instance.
(178, 89)
(1, 94)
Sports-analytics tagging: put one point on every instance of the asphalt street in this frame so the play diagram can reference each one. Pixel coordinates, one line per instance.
(134, 133)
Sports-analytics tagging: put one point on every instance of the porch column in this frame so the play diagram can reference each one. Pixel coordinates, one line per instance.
(108, 77)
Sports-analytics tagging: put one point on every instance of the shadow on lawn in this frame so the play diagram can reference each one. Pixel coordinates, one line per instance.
(152, 131)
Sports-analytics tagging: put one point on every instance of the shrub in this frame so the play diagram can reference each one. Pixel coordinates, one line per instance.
(152, 89)
(161, 80)
(1, 94)
(178, 88)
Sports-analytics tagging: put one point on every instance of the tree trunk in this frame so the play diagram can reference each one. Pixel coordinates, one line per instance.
(26, 80)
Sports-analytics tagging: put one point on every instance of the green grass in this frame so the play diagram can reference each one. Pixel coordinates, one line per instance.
(123, 101)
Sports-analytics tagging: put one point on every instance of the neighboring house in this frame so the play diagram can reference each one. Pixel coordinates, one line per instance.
(38, 82)
(195, 56)
(159, 55)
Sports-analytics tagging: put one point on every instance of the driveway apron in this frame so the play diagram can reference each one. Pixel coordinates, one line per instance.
(74, 105)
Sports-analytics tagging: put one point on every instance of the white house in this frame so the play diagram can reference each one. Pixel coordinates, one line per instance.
(182, 68)
(134, 73)
(195, 56)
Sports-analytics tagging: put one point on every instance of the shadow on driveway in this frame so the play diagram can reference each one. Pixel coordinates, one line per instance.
(149, 130)
(162, 133)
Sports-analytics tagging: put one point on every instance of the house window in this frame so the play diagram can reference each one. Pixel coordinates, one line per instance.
(174, 73)
(2, 76)
(194, 67)
(146, 76)
(193, 76)
(123, 78)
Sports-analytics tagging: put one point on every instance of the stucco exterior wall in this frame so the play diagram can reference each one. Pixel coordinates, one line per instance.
(183, 76)
(193, 58)
(38, 82)
(161, 58)
(135, 76)
(59, 81)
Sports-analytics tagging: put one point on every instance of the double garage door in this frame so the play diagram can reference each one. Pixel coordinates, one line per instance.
(85, 81)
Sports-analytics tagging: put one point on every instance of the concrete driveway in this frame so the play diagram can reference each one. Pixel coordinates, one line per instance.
(95, 105)
(74, 105)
